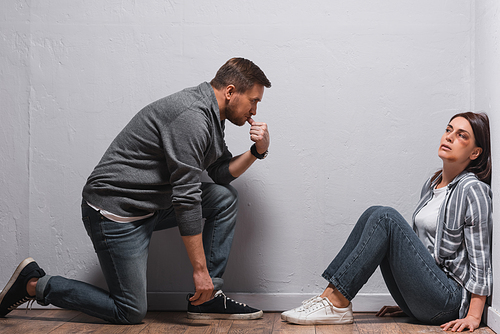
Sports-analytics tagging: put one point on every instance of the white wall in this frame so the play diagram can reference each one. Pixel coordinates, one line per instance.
(14, 136)
(361, 93)
(487, 86)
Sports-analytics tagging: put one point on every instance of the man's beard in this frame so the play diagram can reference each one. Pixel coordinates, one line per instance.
(232, 116)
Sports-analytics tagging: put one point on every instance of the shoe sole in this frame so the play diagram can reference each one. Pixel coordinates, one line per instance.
(223, 316)
(320, 321)
(14, 277)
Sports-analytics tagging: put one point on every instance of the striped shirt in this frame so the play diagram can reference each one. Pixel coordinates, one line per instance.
(463, 234)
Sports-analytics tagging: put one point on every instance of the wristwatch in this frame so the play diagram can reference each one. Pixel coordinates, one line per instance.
(256, 154)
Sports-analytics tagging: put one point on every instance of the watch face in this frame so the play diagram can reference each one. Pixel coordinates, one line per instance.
(265, 154)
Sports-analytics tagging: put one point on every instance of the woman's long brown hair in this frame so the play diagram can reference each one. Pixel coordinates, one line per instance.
(481, 166)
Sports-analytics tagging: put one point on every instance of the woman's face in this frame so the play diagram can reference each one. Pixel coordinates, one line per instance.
(458, 144)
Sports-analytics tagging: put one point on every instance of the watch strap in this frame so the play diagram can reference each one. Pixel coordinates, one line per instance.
(256, 154)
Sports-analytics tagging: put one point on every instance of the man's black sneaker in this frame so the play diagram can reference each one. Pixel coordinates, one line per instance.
(14, 293)
(222, 307)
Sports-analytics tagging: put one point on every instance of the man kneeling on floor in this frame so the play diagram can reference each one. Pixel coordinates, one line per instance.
(150, 179)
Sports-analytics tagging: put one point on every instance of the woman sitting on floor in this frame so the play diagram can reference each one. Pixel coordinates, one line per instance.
(439, 271)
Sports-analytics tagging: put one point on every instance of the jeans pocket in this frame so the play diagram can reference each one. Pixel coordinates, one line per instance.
(445, 316)
(452, 309)
(87, 225)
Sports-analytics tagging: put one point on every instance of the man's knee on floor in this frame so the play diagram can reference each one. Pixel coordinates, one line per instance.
(131, 316)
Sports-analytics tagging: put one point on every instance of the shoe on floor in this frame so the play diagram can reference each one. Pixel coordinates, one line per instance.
(14, 293)
(222, 307)
(285, 314)
(320, 311)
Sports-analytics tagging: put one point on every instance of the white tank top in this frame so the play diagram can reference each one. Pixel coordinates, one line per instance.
(426, 219)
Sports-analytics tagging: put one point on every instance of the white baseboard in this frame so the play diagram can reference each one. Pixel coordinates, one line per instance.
(271, 302)
(493, 319)
(174, 301)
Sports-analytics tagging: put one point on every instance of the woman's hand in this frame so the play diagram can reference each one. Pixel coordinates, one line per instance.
(459, 325)
(390, 311)
(473, 318)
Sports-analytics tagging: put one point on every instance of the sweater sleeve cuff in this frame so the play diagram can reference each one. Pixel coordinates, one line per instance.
(225, 177)
(190, 222)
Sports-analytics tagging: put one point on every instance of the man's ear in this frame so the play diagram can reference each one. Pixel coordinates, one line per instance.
(230, 90)
(475, 153)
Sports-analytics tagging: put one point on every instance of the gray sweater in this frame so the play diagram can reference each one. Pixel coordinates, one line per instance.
(157, 160)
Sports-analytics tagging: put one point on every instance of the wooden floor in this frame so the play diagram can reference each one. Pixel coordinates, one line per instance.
(63, 321)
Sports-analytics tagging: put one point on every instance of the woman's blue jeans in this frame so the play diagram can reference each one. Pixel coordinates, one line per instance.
(122, 249)
(382, 237)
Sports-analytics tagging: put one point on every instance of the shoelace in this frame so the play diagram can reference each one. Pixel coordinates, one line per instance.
(220, 293)
(314, 306)
(30, 304)
(28, 299)
(305, 303)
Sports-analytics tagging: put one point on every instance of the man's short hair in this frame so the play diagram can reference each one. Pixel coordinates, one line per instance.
(240, 72)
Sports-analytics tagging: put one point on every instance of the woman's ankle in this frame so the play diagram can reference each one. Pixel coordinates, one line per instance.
(335, 296)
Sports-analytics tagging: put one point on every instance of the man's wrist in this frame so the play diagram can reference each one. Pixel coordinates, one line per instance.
(200, 267)
(256, 154)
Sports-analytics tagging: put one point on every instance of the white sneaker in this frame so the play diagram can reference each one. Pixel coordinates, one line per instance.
(320, 311)
(285, 314)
